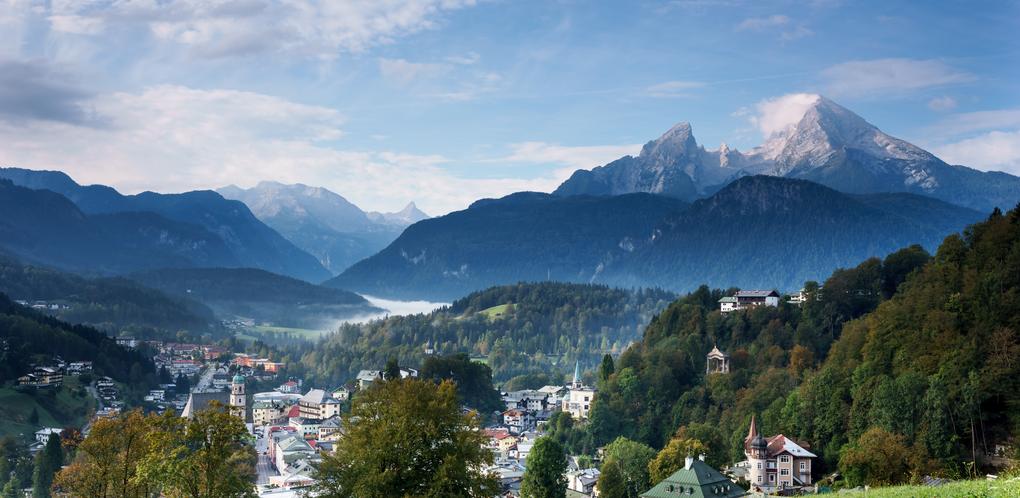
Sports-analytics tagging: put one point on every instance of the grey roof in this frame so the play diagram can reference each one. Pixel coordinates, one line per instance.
(756, 293)
(318, 397)
(728, 299)
(200, 401)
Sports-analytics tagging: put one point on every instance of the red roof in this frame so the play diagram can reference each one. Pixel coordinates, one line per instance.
(295, 411)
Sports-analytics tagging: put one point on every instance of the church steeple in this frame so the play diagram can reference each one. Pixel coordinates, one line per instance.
(577, 375)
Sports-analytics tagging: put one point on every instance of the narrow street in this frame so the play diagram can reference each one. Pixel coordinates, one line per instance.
(264, 467)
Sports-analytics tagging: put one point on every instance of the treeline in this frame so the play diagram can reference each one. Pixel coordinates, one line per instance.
(28, 337)
(545, 328)
(894, 369)
(115, 305)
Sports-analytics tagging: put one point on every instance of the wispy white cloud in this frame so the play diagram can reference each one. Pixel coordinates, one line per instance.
(996, 150)
(940, 104)
(219, 28)
(957, 124)
(672, 89)
(771, 116)
(404, 72)
(760, 23)
(787, 28)
(881, 77)
(573, 157)
(193, 139)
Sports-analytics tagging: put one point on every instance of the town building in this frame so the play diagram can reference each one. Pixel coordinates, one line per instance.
(583, 481)
(290, 387)
(746, 299)
(265, 413)
(518, 421)
(42, 436)
(318, 404)
(42, 377)
(696, 479)
(776, 463)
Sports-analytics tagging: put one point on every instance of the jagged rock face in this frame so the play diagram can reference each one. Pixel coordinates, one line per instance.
(830, 145)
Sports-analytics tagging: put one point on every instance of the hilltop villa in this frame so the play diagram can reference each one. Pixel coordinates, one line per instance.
(749, 299)
(777, 462)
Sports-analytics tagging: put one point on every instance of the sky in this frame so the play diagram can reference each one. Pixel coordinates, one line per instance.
(443, 102)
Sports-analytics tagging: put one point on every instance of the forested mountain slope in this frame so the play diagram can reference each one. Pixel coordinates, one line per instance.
(259, 295)
(115, 305)
(536, 329)
(919, 353)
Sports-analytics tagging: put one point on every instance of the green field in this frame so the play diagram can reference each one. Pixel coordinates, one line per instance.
(70, 405)
(254, 332)
(1003, 488)
(495, 312)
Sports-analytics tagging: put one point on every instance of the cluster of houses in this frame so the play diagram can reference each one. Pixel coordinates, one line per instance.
(184, 358)
(523, 422)
(752, 298)
(52, 375)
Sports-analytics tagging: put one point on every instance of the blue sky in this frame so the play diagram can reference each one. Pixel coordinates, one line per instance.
(446, 101)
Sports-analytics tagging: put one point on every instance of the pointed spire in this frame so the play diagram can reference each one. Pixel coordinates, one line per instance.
(577, 374)
(752, 431)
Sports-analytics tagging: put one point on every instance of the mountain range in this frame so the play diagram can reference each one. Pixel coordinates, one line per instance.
(829, 145)
(758, 231)
(323, 223)
(115, 233)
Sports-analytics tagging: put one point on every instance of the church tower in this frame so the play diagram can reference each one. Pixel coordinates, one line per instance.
(238, 401)
(576, 384)
(756, 450)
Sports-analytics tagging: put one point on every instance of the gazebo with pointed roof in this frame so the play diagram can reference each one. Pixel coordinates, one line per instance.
(696, 480)
(717, 361)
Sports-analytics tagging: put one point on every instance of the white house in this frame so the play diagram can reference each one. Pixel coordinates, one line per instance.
(43, 435)
(745, 299)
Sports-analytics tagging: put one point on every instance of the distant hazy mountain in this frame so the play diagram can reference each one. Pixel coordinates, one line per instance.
(757, 232)
(829, 145)
(44, 227)
(323, 223)
(524, 236)
(259, 295)
(249, 242)
(403, 218)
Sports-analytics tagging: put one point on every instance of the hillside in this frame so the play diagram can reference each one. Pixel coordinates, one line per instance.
(922, 359)
(736, 237)
(115, 305)
(259, 295)
(522, 237)
(226, 223)
(767, 232)
(544, 329)
(28, 337)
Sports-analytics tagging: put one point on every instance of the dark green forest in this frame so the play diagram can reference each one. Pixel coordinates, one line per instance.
(115, 305)
(918, 352)
(28, 336)
(544, 330)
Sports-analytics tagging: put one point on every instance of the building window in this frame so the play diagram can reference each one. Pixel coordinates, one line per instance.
(759, 478)
(803, 466)
(784, 472)
(784, 459)
(772, 478)
(759, 465)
